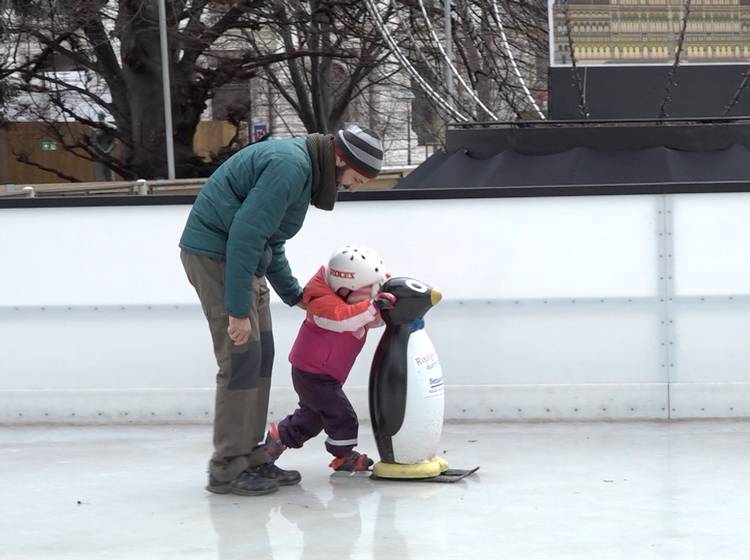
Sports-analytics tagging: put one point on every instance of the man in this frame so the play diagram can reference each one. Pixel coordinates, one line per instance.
(233, 240)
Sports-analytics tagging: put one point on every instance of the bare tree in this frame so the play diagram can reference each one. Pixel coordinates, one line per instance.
(351, 57)
(72, 59)
(112, 63)
(482, 56)
(8, 54)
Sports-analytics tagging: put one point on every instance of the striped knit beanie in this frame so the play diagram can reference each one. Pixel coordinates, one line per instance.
(361, 149)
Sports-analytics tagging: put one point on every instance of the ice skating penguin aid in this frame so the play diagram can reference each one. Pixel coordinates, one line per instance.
(406, 389)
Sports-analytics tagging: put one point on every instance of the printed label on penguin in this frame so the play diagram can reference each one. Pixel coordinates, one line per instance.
(436, 385)
(418, 438)
(427, 367)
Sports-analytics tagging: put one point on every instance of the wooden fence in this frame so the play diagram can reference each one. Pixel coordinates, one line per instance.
(35, 141)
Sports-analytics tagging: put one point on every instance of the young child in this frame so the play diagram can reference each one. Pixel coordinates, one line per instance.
(343, 302)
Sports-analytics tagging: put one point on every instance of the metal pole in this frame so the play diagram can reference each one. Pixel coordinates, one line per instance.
(449, 53)
(551, 34)
(166, 87)
(408, 132)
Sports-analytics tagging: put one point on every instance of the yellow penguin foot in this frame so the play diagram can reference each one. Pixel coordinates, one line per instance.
(426, 469)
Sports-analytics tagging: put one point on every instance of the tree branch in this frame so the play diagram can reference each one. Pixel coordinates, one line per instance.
(24, 158)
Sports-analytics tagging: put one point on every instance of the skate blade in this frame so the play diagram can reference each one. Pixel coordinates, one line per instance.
(449, 476)
(350, 474)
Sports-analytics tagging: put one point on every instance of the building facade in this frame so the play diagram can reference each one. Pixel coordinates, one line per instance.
(647, 31)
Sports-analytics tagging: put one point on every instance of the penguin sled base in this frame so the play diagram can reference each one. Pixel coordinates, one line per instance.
(406, 396)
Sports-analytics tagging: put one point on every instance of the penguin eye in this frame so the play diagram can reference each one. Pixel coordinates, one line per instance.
(416, 286)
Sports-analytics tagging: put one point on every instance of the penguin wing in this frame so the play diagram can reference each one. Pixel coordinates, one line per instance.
(388, 382)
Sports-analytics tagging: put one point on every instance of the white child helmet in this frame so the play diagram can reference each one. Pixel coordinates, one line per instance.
(353, 267)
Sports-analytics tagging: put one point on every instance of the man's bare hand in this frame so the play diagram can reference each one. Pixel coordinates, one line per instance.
(239, 330)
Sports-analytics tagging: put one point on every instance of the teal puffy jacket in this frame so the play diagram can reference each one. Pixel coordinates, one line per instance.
(244, 214)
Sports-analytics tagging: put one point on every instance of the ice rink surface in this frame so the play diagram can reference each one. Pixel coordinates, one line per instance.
(544, 491)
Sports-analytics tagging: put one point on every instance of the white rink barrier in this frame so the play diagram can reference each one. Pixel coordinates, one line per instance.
(564, 308)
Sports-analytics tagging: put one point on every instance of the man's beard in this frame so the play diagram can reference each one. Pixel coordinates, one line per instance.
(339, 175)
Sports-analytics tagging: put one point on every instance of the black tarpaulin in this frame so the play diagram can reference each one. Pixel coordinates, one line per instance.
(579, 166)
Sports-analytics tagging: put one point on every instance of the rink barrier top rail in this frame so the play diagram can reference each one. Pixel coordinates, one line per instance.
(388, 177)
(588, 123)
(399, 194)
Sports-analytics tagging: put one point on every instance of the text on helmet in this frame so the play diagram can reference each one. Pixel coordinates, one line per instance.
(341, 273)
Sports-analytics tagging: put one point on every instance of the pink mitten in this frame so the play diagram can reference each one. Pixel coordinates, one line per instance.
(384, 300)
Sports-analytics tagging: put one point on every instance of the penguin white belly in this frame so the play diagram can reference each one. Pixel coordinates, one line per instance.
(418, 438)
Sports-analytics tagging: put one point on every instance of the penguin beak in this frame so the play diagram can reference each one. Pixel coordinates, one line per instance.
(435, 297)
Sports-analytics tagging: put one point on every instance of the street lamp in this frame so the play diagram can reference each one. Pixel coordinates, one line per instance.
(448, 51)
(166, 87)
(407, 96)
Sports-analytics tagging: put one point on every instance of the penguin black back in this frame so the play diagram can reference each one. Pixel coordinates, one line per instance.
(388, 375)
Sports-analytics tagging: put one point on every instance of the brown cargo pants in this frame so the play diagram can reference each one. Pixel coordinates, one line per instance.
(244, 379)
